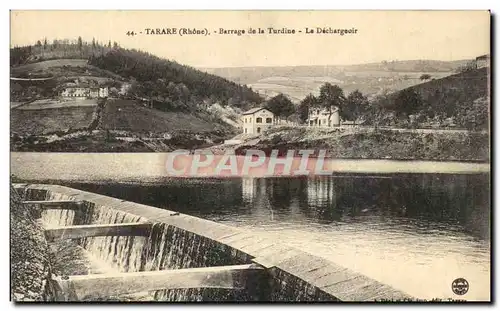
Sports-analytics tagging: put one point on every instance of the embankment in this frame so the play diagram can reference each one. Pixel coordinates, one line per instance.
(178, 241)
(372, 143)
(29, 254)
(114, 125)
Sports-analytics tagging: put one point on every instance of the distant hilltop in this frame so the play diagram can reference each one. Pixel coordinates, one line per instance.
(371, 79)
(256, 73)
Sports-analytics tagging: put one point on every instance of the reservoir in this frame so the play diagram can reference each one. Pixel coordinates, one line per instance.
(416, 231)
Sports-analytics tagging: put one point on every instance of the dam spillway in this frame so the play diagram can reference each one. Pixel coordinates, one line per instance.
(132, 243)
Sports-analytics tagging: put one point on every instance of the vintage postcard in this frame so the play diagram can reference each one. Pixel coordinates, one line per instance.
(251, 156)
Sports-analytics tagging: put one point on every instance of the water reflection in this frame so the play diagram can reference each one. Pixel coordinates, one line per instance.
(421, 227)
(443, 202)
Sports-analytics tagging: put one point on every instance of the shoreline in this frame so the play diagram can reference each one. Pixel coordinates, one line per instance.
(313, 156)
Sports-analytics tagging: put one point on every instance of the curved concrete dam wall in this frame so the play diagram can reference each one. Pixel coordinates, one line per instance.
(179, 241)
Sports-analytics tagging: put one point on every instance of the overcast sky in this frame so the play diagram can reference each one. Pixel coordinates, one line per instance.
(381, 35)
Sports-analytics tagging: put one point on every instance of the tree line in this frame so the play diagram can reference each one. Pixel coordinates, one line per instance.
(59, 48)
(331, 97)
(443, 106)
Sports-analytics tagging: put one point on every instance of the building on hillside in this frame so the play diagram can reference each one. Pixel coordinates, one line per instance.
(75, 92)
(103, 92)
(256, 120)
(85, 92)
(321, 117)
(483, 61)
(93, 92)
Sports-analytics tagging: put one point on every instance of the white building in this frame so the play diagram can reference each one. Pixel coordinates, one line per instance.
(85, 92)
(321, 117)
(257, 120)
(75, 92)
(103, 92)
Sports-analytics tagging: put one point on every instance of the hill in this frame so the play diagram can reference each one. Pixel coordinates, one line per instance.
(371, 79)
(249, 75)
(463, 98)
(159, 77)
(155, 77)
(149, 97)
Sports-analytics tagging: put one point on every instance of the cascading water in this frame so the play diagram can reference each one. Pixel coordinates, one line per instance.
(166, 247)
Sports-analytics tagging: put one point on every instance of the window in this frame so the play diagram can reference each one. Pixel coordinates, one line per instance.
(258, 130)
(250, 120)
(319, 122)
(258, 120)
(269, 120)
(245, 129)
(245, 120)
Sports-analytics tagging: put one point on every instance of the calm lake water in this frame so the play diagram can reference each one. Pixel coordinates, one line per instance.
(415, 232)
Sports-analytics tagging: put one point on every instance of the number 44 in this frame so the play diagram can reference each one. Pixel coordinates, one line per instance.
(131, 33)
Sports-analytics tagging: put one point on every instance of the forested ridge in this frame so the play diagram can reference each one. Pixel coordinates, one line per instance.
(158, 77)
(172, 86)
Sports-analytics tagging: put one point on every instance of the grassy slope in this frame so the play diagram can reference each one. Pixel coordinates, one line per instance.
(131, 116)
(45, 65)
(186, 131)
(40, 121)
(465, 87)
(62, 68)
(117, 115)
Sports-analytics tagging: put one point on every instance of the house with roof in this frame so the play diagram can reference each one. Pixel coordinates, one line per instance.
(320, 117)
(483, 61)
(85, 92)
(256, 120)
(75, 92)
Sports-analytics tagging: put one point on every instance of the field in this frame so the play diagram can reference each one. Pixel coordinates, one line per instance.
(369, 83)
(16, 104)
(49, 64)
(249, 75)
(130, 116)
(65, 69)
(44, 121)
(54, 104)
(371, 79)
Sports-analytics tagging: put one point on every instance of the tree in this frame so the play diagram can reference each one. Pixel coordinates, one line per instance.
(425, 76)
(408, 102)
(109, 44)
(38, 43)
(305, 106)
(355, 106)
(80, 43)
(331, 97)
(281, 106)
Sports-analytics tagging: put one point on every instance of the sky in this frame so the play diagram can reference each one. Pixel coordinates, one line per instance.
(380, 35)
